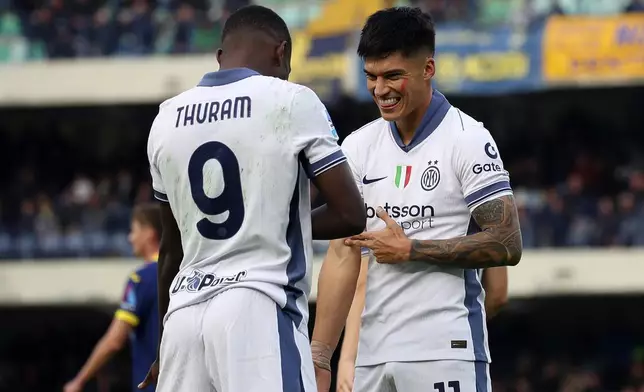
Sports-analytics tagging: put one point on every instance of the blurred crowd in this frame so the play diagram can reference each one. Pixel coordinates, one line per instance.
(88, 28)
(571, 214)
(487, 13)
(36, 29)
(91, 216)
(595, 347)
(554, 374)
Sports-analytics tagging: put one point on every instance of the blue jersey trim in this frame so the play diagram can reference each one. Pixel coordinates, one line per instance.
(160, 196)
(436, 112)
(480, 371)
(296, 269)
(328, 162)
(473, 290)
(227, 76)
(487, 191)
(475, 318)
(289, 353)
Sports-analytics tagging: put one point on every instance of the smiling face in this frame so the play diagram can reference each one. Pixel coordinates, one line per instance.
(399, 84)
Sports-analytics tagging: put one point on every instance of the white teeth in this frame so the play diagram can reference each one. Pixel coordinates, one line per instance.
(389, 101)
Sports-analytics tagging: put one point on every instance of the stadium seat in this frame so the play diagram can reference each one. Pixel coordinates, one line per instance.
(341, 16)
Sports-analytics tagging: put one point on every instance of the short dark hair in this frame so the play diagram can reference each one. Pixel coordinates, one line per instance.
(148, 214)
(400, 29)
(259, 18)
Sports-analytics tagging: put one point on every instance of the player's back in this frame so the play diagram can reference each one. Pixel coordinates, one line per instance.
(227, 157)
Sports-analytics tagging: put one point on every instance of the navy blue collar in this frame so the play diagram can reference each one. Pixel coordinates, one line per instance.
(226, 76)
(438, 108)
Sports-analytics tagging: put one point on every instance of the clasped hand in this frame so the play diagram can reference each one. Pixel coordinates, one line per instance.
(389, 245)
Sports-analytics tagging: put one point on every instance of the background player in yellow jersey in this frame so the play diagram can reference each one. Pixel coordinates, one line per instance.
(137, 316)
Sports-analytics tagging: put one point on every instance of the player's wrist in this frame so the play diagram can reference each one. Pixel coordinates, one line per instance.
(322, 354)
(346, 358)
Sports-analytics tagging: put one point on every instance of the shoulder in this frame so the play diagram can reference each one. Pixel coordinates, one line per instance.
(465, 130)
(362, 139)
(173, 102)
(286, 89)
(366, 133)
(165, 118)
(145, 273)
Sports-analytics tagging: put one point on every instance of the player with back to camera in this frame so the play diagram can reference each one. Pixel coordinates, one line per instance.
(137, 316)
(439, 209)
(229, 159)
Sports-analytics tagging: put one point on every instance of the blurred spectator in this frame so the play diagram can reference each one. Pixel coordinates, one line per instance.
(83, 28)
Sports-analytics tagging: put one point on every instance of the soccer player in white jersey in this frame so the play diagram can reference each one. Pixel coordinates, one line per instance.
(230, 159)
(439, 208)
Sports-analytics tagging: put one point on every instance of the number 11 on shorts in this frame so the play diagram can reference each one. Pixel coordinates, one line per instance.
(454, 385)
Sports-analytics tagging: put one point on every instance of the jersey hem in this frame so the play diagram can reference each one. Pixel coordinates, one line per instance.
(438, 356)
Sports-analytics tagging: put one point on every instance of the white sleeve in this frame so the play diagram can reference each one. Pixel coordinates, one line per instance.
(157, 183)
(479, 167)
(350, 148)
(315, 136)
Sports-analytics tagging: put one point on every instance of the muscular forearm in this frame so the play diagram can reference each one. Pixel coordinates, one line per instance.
(336, 287)
(481, 250)
(327, 224)
(352, 329)
(498, 244)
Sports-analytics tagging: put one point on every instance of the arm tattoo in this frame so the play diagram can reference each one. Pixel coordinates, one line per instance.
(498, 243)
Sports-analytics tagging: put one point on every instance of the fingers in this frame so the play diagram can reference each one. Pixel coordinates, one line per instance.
(360, 243)
(362, 236)
(147, 381)
(382, 214)
(144, 384)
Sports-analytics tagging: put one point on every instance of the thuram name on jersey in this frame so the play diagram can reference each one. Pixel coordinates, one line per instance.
(210, 112)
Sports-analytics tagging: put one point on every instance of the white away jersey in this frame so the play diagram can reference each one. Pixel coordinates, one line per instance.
(228, 157)
(415, 311)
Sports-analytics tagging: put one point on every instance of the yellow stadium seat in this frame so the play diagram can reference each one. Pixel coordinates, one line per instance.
(340, 16)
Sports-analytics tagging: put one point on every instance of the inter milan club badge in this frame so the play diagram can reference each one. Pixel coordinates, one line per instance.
(431, 176)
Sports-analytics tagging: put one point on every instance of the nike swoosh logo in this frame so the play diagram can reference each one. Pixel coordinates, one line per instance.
(371, 181)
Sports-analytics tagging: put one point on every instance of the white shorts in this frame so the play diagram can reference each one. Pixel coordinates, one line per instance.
(238, 341)
(427, 376)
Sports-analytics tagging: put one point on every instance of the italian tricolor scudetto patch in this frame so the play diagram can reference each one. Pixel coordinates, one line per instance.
(403, 174)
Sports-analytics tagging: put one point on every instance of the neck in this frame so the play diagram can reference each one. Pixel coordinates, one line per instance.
(240, 61)
(408, 125)
(151, 254)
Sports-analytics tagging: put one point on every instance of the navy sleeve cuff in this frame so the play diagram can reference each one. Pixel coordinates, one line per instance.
(486, 192)
(324, 164)
(160, 196)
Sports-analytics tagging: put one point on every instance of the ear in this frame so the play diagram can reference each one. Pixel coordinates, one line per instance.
(220, 53)
(280, 54)
(283, 60)
(430, 68)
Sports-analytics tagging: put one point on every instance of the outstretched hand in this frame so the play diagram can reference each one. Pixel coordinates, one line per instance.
(389, 245)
